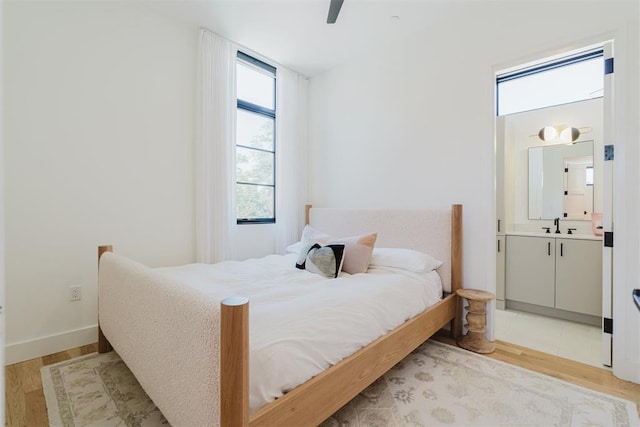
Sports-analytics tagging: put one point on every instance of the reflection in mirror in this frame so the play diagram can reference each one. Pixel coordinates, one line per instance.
(561, 181)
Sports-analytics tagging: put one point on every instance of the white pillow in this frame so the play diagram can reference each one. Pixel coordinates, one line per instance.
(296, 247)
(309, 234)
(406, 259)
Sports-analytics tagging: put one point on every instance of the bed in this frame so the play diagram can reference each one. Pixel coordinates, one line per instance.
(201, 377)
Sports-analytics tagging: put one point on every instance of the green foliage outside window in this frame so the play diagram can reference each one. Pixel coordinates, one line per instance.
(255, 166)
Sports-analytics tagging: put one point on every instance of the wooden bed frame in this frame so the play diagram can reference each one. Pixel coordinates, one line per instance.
(317, 399)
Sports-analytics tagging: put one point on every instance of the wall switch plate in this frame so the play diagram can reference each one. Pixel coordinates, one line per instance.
(76, 294)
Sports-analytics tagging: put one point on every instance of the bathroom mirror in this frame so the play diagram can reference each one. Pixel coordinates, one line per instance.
(561, 181)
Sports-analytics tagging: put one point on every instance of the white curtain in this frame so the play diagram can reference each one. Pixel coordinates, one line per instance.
(215, 142)
(291, 147)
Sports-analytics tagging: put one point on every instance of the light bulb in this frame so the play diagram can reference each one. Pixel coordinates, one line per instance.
(569, 134)
(547, 133)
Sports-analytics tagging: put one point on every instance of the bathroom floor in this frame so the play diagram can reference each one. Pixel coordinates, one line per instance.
(563, 338)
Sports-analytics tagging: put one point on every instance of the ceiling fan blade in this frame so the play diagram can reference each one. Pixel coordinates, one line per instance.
(334, 10)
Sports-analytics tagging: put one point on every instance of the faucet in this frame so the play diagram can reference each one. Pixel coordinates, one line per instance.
(556, 222)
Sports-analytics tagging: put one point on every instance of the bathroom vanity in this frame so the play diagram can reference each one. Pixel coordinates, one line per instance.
(557, 275)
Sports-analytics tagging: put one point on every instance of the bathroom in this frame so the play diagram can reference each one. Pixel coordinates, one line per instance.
(550, 183)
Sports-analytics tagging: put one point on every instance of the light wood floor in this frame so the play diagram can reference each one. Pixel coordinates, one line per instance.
(24, 399)
(581, 374)
(25, 405)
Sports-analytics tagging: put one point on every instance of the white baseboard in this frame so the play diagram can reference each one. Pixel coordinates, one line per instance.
(26, 350)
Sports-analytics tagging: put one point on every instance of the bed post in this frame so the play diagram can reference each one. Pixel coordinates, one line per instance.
(456, 266)
(104, 346)
(234, 362)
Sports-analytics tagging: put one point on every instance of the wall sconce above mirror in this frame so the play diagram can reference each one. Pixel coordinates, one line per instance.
(561, 181)
(567, 134)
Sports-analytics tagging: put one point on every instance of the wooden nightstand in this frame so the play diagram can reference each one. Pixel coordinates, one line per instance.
(475, 340)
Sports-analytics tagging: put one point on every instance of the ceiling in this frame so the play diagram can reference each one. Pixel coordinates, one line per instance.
(294, 33)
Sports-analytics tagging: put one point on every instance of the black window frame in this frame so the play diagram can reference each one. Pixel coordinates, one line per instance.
(266, 112)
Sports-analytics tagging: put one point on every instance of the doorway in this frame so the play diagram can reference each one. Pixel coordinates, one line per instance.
(550, 253)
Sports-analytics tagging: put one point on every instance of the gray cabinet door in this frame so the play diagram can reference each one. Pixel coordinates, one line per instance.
(579, 276)
(531, 270)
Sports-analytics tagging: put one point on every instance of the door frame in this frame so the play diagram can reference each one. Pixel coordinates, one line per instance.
(609, 124)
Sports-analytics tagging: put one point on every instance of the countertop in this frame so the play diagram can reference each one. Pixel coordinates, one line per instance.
(554, 235)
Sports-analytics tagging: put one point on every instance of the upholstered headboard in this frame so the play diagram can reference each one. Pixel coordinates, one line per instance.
(429, 231)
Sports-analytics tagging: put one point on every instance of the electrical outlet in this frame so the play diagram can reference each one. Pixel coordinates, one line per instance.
(76, 293)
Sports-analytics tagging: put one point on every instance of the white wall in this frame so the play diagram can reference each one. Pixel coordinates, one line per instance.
(99, 130)
(411, 124)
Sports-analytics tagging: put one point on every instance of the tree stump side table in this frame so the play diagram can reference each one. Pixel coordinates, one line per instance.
(475, 340)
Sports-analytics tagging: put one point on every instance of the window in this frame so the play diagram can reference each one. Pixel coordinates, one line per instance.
(589, 177)
(255, 141)
(570, 79)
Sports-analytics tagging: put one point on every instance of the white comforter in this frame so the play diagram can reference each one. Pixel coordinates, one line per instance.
(302, 323)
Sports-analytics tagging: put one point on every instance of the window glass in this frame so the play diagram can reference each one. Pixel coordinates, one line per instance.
(254, 166)
(589, 178)
(255, 85)
(254, 130)
(254, 201)
(551, 85)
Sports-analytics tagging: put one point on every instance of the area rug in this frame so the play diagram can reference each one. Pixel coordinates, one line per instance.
(437, 384)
